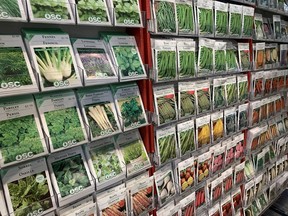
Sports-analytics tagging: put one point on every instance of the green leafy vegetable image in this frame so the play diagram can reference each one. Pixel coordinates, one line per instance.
(19, 136)
(71, 175)
(187, 64)
(11, 7)
(235, 24)
(132, 151)
(64, 126)
(44, 9)
(55, 64)
(92, 11)
(106, 162)
(127, 12)
(221, 23)
(28, 195)
(95, 63)
(131, 111)
(185, 18)
(101, 118)
(128, 60)
(13, 66)
(166, 65)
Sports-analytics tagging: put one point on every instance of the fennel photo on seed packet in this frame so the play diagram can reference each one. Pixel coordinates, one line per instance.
(55, 64)
(95, 63)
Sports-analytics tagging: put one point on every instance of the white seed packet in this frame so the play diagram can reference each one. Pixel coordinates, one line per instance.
(187, 205)
(70, 175)
(206, 57)
(186, 99)
(30, 182)
(186, 137)
(258, 23)
(205, 18)
(219, 93)
(230, 119)
(217, 126)
(186, 175)
(221, 18)
(235, 20)
(203, 137)
(203, 96)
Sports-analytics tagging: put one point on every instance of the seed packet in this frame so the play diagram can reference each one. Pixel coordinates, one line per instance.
(277, 26)
(271, 106)
(221, 18)
(229, 152)
(242, 116)
(257, 84)
(220, 57)
(248, 17)
(70, 182)
(249, 192)
(258, 23)
(170, 209)
(283, 55)
(218, 158)
(93, 59)
(52, 58)
(259, 161)
(244, 56)
(28, 189)
(96, 13)
(185, 17)
(263, 200)
(237, 201)
(104, 161)
(206, 56)
(278, 103)
(141, 196)
(275, 54)
(272, 191)
(201, 197)
(239, 176)
(226, 206)
(127, 13)
(217, 126)
(165, 184)
(12, 11)
(214, 210)
(279, 167)
(165, 104)
(186, 137)
(203, 166)
(253, 138)
(264, 136)
(114, 202)
(227, 177)
(186, 53)
(58, 12)
(242, 84)
(61, 119)
(135, 157)
(19, 118)
(186, 99)
(231, 57)
(205, 17)
(166, 144)
(187, 205)
(254, 112)
(16, 72)
(129, 106)
(85, 206)
(164, 23)
(267, 82)
(203, 96)
(267, 27)
(186, 175)
(219, 98)
(259, 56)
(268, 56)
(165, 60)
(231, 90)
(99, 112)
(216, 189)
(273, 129)
(249, 170)
(203, 131)
(281, 84)
(126, 56)
(239, 151)
(280, 146)
(235, 20)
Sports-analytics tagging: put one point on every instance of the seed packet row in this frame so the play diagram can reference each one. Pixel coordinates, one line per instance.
(264, 109)
(68, 12)
(53, 60)
(266, 83)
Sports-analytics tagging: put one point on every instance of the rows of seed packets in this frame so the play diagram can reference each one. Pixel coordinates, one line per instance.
(178, 58)
(82, 12)
(51, 61)
(65, 184)
(205, 18)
